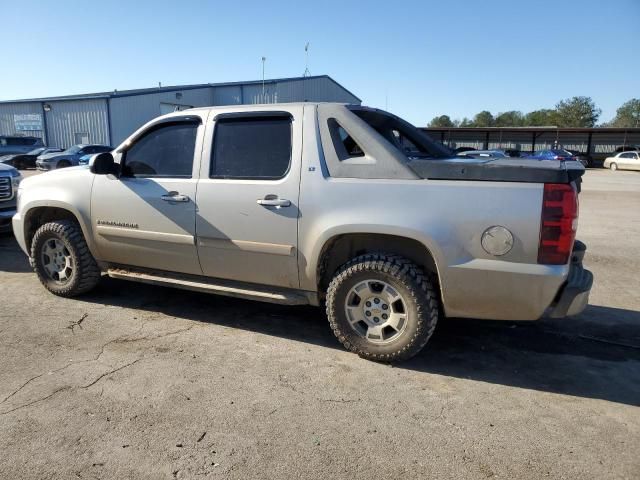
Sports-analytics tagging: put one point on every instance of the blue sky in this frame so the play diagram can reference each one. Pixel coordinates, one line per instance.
(420, 58)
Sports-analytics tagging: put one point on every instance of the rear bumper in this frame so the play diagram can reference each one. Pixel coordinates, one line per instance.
(573, 297)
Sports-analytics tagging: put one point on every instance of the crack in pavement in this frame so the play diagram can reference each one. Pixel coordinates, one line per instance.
(111, 372)
(67, 387)
(122, 339)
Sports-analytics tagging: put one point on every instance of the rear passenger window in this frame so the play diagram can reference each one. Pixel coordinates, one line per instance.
(165, 151)
(346, 147)
(251, 148)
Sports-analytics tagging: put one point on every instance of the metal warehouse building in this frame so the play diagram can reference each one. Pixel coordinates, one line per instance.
(109, 117)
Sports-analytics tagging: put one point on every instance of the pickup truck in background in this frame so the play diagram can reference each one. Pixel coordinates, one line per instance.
(324, 204)
(10, 178)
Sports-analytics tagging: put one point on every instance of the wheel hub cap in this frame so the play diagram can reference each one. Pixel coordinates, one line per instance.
(56, 260)
(376, 311)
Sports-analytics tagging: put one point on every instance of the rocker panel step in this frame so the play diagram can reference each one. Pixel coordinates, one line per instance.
(216, 286)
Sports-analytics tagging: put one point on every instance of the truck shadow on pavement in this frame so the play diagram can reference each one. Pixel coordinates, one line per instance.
(595, 355)
(12, 259)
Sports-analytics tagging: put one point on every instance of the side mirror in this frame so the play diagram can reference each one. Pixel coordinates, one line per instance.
(102, 164)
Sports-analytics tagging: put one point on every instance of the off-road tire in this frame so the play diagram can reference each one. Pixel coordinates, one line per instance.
(86, 273)
(409, 280)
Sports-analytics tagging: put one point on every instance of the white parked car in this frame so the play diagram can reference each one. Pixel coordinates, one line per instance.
(623, 161)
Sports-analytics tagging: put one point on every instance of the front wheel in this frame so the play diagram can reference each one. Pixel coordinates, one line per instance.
(382, 307)
(61, 259)
(613, 167)
(63, 164)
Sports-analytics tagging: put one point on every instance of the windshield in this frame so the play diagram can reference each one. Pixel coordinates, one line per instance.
(73, 150)
(36, 151)
(402, 135)
(565, 153)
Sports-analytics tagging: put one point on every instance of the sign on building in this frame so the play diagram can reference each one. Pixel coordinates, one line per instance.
(27, 122)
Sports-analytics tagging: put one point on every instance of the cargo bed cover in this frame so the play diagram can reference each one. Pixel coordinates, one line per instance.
(498, 170)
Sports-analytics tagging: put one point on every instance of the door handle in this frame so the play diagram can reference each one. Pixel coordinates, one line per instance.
(273, 201)
(175, 197)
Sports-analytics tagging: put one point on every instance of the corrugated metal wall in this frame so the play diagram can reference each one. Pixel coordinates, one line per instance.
(130, 113)
(228, 95)
(320, 89)
(7, 121)
(69, 120)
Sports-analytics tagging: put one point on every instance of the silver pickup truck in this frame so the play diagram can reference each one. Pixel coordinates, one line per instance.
(340, 205)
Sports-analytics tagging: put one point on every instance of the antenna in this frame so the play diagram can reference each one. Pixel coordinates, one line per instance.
(306, 61)
(264, 59)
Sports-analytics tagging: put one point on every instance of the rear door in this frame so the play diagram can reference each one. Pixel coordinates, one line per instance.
(247, 220)
(146, 216)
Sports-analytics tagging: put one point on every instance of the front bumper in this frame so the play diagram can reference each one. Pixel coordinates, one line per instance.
(44, 165)
(7, 210)
(573, 297)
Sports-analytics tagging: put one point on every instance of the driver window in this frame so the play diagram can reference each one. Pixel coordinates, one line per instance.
(164, 151)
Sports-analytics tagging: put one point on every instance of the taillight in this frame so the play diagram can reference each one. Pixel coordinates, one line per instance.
(559, 223)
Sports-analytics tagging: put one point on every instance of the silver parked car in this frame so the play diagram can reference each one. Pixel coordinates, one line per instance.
(69, 158)
(623, 161)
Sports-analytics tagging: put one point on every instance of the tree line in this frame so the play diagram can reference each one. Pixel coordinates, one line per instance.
(572, 112)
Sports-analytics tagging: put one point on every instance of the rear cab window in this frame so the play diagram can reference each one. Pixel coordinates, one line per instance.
(405, 137)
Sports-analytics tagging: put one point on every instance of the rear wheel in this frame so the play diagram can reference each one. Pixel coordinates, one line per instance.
(61, 259)
(382, 307)
(613, 167)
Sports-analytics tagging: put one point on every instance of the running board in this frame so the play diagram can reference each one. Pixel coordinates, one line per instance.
(216, 286)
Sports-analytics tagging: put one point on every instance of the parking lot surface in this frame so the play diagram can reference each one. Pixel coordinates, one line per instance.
(137, 381)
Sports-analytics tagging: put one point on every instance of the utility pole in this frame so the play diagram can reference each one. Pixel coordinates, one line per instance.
(264, 59)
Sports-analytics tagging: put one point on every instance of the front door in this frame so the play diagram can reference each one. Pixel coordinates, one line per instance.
(146, 217)
(247, 220)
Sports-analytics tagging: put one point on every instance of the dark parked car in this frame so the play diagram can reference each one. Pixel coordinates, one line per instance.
(22, 161)
(513, 152)
(483, 154)
(583, 158)
(553, 154)
(627, 148)
(70, 157)
(463, 149)
(13, 144)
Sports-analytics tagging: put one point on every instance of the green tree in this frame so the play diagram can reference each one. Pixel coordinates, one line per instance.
(466, 122)
(441, 121)
(577, 112)
(628, 115)
(483, 119)
(539, 118)
(512, 118)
